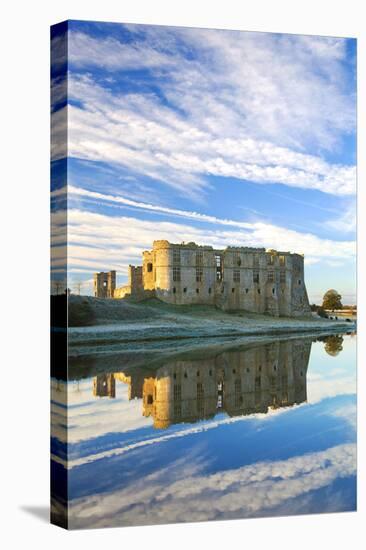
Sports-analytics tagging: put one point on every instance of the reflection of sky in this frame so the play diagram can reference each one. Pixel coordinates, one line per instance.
(295, 460)
(331, 376)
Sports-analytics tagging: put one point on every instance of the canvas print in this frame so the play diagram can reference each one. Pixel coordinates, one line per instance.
(203, 284)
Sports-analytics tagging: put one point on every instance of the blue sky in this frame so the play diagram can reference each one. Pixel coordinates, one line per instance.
(221, 137)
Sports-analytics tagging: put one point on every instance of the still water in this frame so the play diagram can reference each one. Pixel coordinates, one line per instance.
(266, 430)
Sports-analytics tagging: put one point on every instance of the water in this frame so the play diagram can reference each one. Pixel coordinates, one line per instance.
(244, 432)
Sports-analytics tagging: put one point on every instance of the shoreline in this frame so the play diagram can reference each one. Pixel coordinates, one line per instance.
(152, 326)
(116, 358)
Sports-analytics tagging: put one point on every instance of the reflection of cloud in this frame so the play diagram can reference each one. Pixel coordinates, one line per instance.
(348, 413)
(329, 376)
(243, 492)
(175, 432)
(89, 418)
(319, 388)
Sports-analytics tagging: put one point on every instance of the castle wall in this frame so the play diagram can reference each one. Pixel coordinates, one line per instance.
(233, 279)
(134, 286)
(242, 278)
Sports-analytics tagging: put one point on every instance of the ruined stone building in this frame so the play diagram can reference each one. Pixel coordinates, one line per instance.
(104, 284)
(234, 382)
(235, 278)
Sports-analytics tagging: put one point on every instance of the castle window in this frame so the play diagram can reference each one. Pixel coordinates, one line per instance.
(236, 275)
(149, 267)
(150, 400)
(237, 259)
(174, 290)
(198, 373)
(270, 259)
(282, 276)
(176, 274)
(210, 372)
(199, 274)
(259, 290)
(104, 283)
(199, 257)
(257, 382)
(209, 290)
(299, 281)
(270, 276)
(176, 256)
(185, 289)
(175, 376)
(197, 290)
(233, 290)
(273, 290)
(282, 260)
(255, 276)
(234, 371)
(256, 260)
(218, 263)
(246, 290)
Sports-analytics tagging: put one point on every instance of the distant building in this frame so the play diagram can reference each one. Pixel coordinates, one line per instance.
(104, 284)
(234, 278)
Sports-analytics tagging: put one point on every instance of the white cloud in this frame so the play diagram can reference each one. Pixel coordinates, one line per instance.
(139, 133)
(98, 241)
(346, 221)
(245, 105)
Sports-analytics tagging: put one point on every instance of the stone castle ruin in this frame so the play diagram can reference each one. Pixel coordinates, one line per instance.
(235, 278)
(105, 284)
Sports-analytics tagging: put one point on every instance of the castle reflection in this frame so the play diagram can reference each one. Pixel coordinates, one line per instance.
(234, 382)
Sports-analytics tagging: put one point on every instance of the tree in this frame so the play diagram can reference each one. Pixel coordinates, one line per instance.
(332, 300)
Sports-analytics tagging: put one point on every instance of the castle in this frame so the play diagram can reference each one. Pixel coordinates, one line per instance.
(234, 382)
(235, 278)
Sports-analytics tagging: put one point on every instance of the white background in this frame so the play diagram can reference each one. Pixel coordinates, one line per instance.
(24, 282)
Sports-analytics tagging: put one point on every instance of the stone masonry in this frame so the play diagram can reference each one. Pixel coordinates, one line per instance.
(235, 278)
(104, 284)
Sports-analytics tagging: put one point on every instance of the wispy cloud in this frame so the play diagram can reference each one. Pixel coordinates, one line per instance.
(251, 106)
(100, 242)
(346, 221)
(137, 132)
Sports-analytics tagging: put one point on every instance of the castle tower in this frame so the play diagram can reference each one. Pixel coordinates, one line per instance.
(104, 284)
